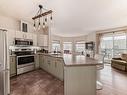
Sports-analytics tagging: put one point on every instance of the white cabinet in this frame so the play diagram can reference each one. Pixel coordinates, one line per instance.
(53, 65)
(10, 37)
(34, 37)
(37, 59)
(47, 63)
(42, 40)
(19, 34)
(41, 61)
(80, 80)
(12, 66)
(59, 65)
(23, 35)
(28, 35)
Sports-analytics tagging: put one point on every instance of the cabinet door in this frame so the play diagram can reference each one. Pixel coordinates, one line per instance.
(10, 37)
(37, 61)
(42, 40)
(12, 66)
(34, 39)
(19, 34)
(41, 61)
(52, 67)
(45, 65)
(60, 69)
(55, 68)
(49, 64)
(29, 36)
(45, 38)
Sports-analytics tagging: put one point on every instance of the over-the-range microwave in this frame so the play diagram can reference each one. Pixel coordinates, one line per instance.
(23, 42)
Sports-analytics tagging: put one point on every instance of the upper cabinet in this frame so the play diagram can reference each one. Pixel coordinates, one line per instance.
(28, 35)
(23, 35)
(19, 34)
(34, 37)
(42, 40)
(10, 37)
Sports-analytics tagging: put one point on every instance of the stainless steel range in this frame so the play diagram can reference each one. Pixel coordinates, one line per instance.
(25, 61)
(25, 53)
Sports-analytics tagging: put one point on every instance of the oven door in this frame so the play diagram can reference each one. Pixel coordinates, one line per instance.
(26, 60)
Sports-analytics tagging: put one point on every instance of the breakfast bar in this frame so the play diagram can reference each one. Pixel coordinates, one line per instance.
(77, 71)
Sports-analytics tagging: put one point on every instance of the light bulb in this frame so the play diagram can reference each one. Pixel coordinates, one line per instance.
(51, 18)
(45, 19)
(34, 26)
(43, 24)
(39, 26)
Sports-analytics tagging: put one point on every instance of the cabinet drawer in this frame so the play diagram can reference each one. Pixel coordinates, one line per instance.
(12, 59)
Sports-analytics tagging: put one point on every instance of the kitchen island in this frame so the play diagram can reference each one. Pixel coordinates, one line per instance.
(77, 71)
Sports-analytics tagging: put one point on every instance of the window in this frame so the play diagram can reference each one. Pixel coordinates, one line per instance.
(80, 47)
(113, 45)
(119, 44)
(67, 47)
(56, 46)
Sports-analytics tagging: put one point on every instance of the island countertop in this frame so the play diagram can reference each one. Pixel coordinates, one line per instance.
(75, 60)
(79, 60)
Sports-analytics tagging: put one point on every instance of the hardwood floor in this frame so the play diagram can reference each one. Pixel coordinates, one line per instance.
(36, 83)
(41, 83)
(114, 82)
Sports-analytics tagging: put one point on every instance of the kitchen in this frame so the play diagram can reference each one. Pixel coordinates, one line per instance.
(29, 52)
(26, 51)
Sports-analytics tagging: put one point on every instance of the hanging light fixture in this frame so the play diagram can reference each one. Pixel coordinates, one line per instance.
(42, 14)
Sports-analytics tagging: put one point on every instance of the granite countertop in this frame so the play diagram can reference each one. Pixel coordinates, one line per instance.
(52, 55)
(75, 60)
(79, 60)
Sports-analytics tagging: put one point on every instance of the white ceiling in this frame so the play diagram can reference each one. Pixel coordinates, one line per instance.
(72, 17)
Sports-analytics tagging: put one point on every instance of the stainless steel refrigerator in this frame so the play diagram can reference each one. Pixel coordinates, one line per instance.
(4, 67)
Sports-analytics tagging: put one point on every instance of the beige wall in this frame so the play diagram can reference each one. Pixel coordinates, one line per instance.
(11, 23)
(68, 39)
(91, 37)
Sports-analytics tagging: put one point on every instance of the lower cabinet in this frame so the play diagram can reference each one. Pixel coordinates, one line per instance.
(59, 68)
(36, 58)
(12, 66)
(52, 65)
(46, 63)
(41, 61)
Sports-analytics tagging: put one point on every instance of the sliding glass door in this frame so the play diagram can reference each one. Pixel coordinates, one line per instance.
(106, 46)
(119, 44)
(113, 45)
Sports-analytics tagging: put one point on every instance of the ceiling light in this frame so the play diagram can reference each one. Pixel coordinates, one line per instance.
(42, 13)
